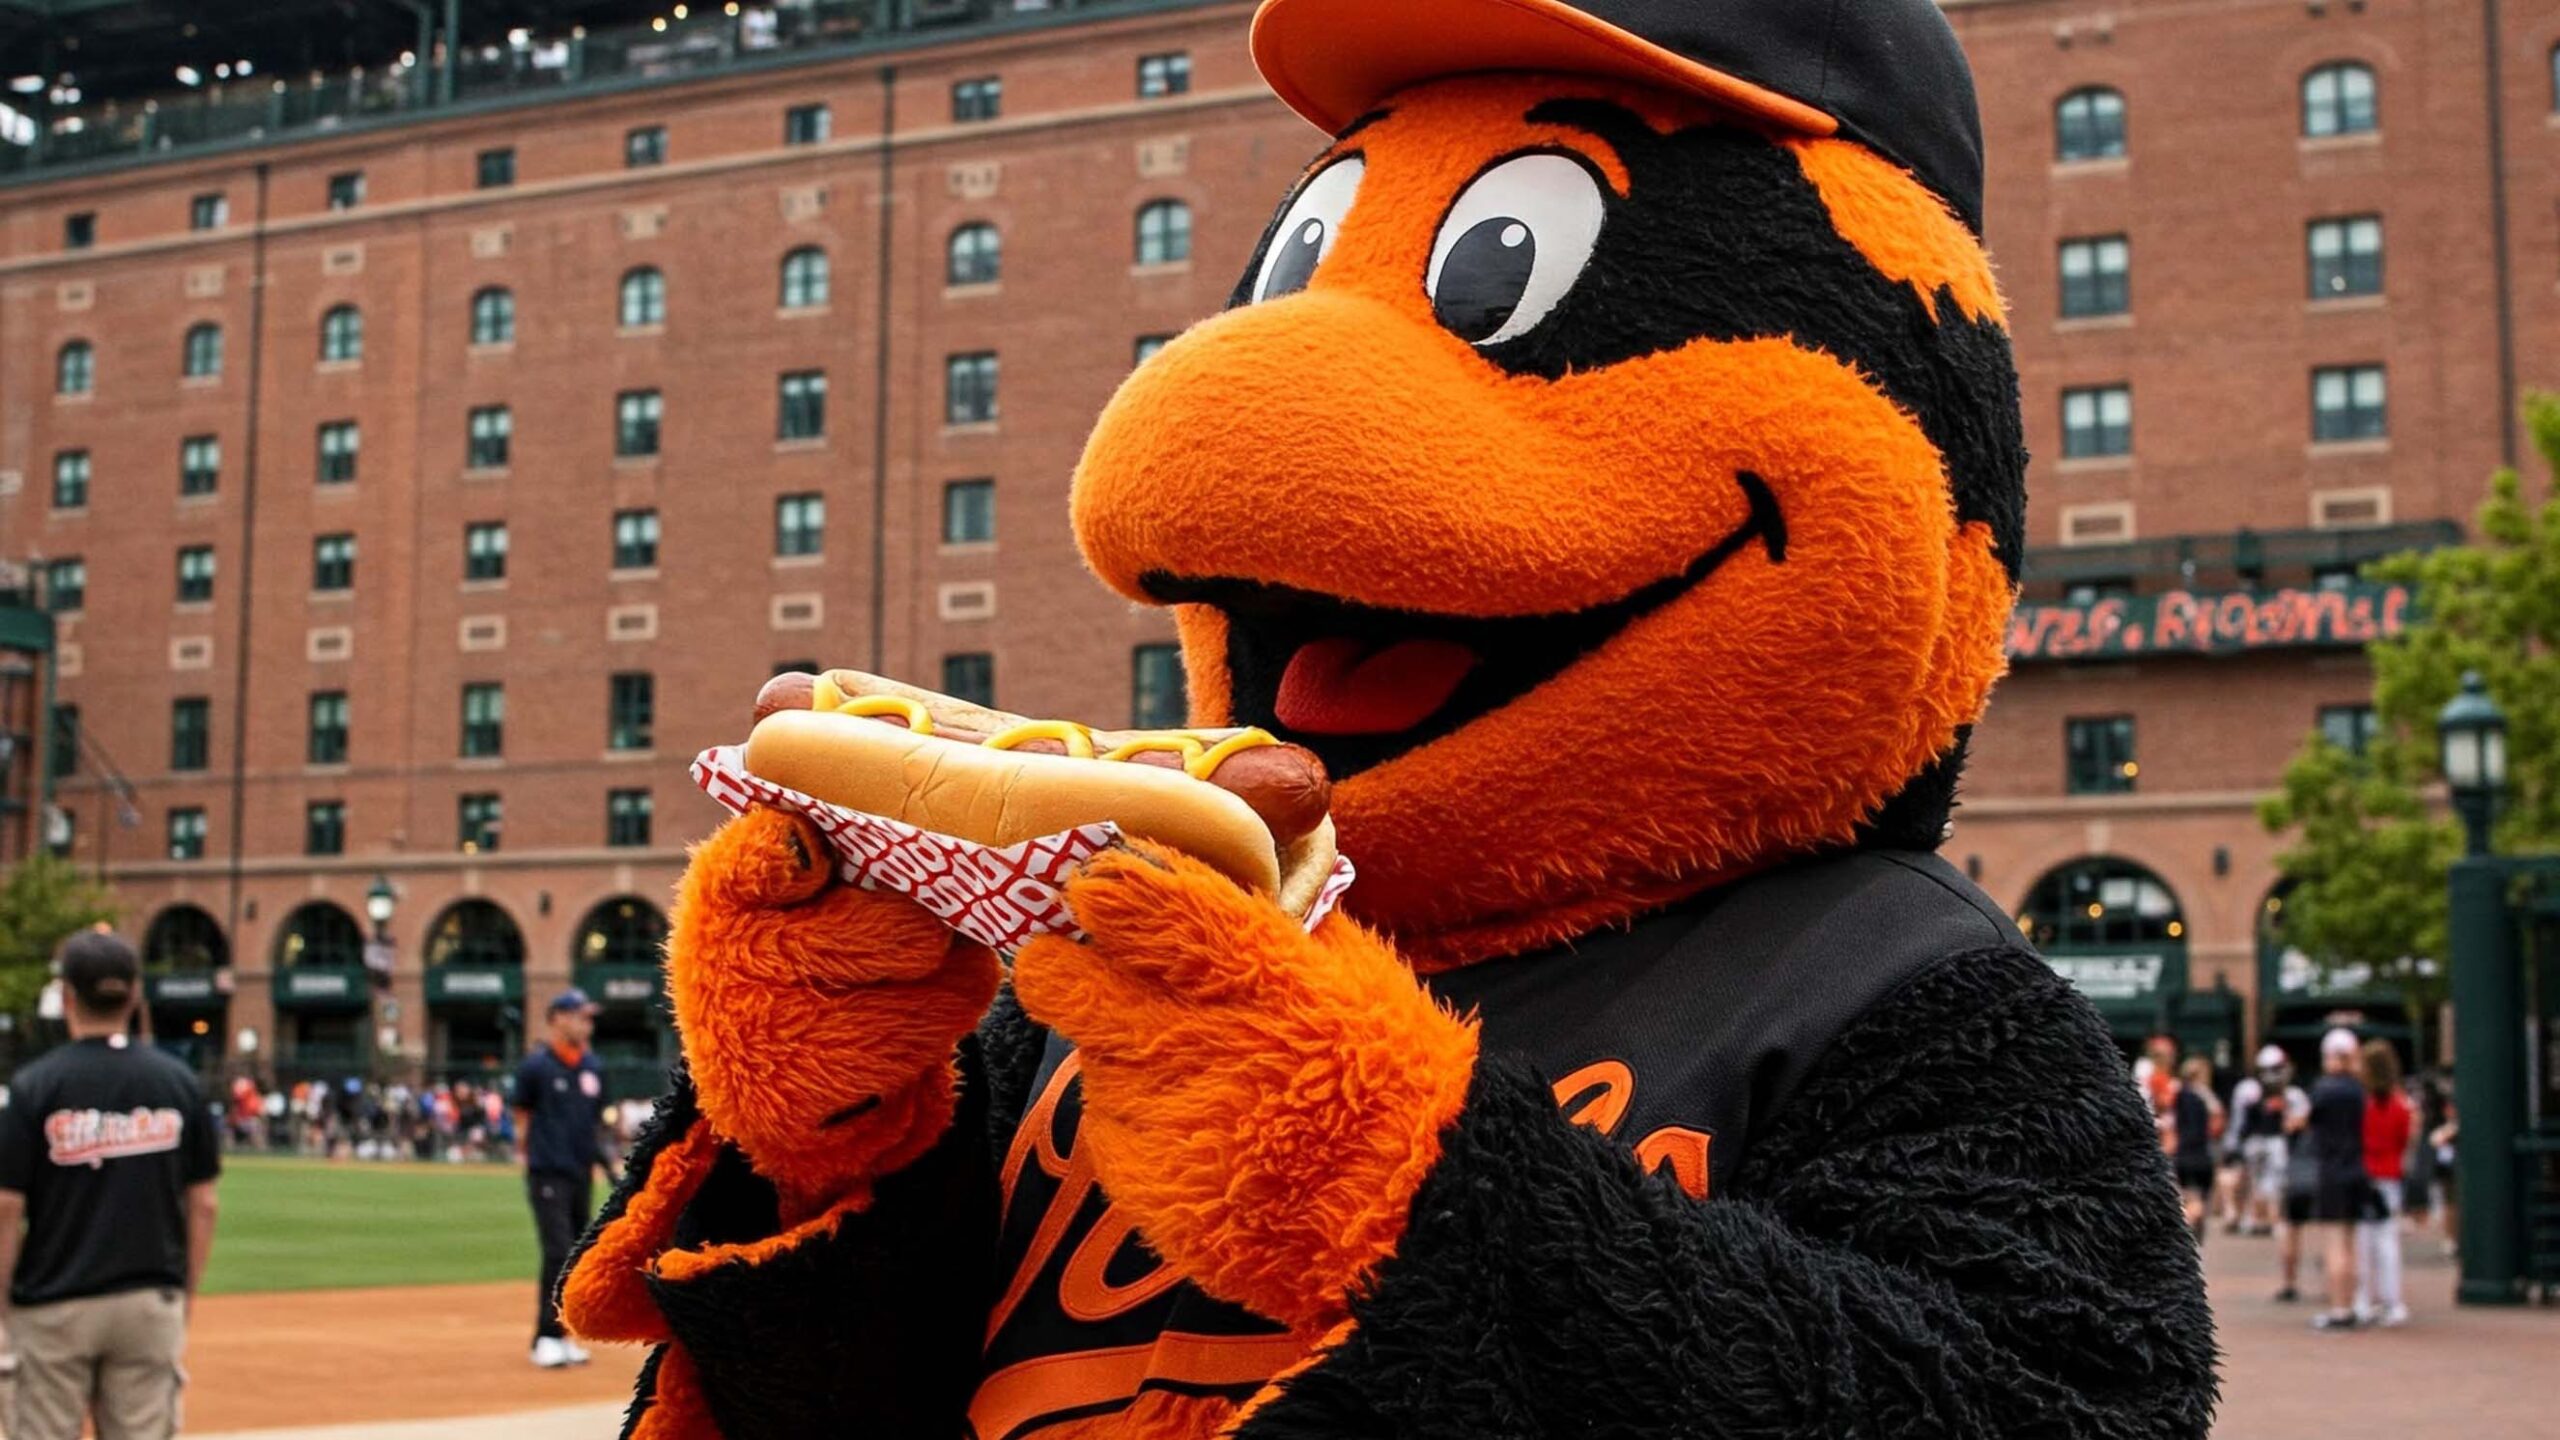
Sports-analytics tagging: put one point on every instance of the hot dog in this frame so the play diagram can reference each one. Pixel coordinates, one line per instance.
(890, 749)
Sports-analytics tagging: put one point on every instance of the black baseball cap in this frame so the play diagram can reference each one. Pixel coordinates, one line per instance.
(100, 971)
(1885, 73)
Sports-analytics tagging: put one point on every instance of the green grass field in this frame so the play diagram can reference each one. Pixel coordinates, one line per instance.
(291, 1224)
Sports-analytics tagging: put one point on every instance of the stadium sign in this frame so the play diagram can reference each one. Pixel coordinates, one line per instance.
(322, 986)
(2112, 979)
(473, 984)
(2185, 622)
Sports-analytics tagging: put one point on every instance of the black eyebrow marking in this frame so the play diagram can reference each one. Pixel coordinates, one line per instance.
(1363, 123)
(1616, 126)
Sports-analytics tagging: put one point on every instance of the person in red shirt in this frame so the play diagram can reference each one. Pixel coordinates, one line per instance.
(2387, 1122)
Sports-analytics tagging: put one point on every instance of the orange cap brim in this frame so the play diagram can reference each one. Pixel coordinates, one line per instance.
(1334, 60)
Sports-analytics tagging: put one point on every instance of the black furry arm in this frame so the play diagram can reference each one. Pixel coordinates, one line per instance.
(1959, 1225)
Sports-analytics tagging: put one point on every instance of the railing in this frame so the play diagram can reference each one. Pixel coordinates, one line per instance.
(707, 43)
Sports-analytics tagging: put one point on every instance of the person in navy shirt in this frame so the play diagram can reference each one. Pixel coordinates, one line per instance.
(559, 1102)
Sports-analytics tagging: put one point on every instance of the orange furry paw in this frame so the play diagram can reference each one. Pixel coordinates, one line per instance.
(1263, 1101)
(819, 1020)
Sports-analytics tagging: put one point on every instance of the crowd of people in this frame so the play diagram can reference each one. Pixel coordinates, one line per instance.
(352, 1118)
(2351, 1164)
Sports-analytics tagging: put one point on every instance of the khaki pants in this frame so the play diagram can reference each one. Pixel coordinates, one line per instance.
(112, 1355)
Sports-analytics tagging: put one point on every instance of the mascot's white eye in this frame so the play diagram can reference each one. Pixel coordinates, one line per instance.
(1305, 235)
(1512, 247)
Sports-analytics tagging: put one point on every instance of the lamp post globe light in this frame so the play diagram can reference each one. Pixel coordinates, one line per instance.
(2471, 739)
(379, 902)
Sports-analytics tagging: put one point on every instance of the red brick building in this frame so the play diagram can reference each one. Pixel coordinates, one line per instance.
(418, 490)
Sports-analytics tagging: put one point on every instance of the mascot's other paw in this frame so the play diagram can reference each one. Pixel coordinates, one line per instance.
(1264, 1102)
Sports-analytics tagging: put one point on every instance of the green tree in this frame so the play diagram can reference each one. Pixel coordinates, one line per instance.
(43, 901)
(2369, 855)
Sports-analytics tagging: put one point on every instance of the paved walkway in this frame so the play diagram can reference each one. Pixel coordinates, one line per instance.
(573, 1422)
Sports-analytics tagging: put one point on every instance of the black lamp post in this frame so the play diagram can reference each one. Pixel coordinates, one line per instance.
(2487, 986)
(379, 902)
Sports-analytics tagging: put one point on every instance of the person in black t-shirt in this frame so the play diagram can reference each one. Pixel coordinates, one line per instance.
(108, 1154)
(2336, 1131)
(559, 1101)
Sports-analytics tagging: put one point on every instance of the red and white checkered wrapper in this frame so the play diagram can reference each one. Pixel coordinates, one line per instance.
(999, 897)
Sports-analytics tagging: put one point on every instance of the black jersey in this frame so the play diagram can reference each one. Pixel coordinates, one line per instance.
(103, 1137)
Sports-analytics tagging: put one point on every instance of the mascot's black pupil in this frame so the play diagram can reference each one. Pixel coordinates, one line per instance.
(1296, 263)
(1484, 277)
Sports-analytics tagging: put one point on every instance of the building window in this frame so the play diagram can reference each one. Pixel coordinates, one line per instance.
(632, 716)
(804, 278)
(978, 99)
(1146, 347)
(74, 368)
(635, 539)
(1164, 232)
(969, 512)
(71, 480)
(496, 169)
(626, 817)
(66, 585)
(333, 562)
(806, 125)
(338, 443)
(644, 297)
(202, 355)
(324, 827)
(484, 718)
(2338, 99)
(346, 190)
(2346, 257)
(2347, 403)
(803, 412)
(2097, 421)
(484, 550)
(2081, 594)
(342, 334)
(799, 525)
(209, 211)
(635, 423)
(2349, 727)
(492, 427)
(2094, 277)
(975, 255)
(190, 733)
(80, 231)
(195, 574)
(969, 388)
(479, 817)
(199, 465)
(2100, 755)
(1161, 75)
(493, 316)
(970, 678)
(1156, 699)
(2088, 124)
(62, 758)
(644, 147)
(186, 833)
(325, 740)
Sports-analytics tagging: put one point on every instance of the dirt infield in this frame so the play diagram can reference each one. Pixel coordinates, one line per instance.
(337, 1357)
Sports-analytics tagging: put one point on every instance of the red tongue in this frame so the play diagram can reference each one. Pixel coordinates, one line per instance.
(1344, 686)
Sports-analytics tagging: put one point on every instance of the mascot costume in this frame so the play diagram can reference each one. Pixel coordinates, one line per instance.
(1610, 466)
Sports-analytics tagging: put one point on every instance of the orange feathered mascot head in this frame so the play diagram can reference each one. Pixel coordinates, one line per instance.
(1612, 470)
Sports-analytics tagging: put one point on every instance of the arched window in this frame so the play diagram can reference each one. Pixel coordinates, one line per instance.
(2100, 902)
(977, 255)
(1164, 232)
(342, 333)
(184, 937)
(2338, 99)
(627, 931)
(2088, 124)
(75, 368)
(203, 354)
(644, 297)
(319, 933)
(804, 278)
(493, 316)
(475, 932)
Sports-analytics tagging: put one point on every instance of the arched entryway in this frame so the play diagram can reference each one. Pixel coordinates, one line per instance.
(322, 995)
(475, 993)
(616, 955)
(2299, 999)
(186, 962)
(2118, 933)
